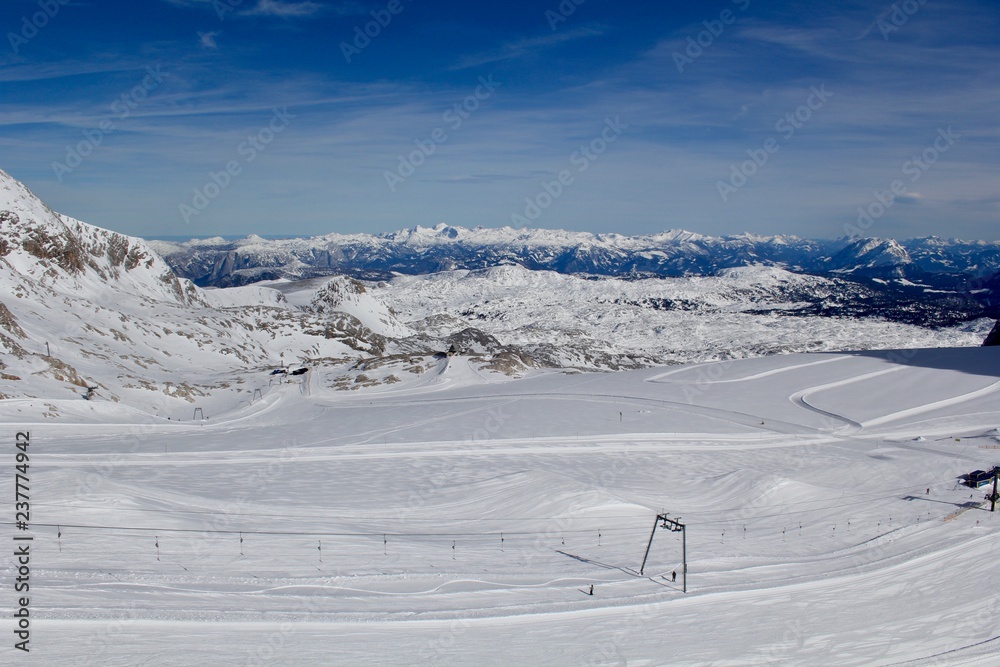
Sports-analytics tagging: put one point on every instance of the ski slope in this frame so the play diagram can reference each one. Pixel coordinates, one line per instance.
(457, 519)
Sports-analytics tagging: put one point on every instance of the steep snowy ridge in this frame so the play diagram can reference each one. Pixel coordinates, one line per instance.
(72, 257)
(86, 307)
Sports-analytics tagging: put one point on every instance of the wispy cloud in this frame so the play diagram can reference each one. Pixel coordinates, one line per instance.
(524, 47)
(283, 9)
(25, 72)
(687, 129)
(208, 39)
(277, 7)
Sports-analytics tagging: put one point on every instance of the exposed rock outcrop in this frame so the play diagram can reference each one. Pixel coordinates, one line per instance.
(994, 337)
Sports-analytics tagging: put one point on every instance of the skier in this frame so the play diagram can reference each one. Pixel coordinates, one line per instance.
(673, 576)
(591, 590)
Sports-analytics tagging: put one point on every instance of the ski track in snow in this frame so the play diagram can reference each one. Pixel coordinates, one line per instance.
(801, 397)
(756, 376)
(930, 407)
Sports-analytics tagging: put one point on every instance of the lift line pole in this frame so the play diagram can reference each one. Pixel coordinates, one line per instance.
(675, 526)
(656, 522)
(993, 496)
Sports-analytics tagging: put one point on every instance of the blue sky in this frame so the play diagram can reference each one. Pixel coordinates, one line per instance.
(220, 117)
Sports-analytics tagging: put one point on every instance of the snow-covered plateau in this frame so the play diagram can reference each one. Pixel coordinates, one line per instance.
(570, 321)
(448, 482)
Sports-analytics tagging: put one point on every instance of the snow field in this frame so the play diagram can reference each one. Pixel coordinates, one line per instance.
(371, 521)
(569, 317)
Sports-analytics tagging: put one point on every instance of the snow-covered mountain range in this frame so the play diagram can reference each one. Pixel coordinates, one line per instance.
(86, 307)
(928, 281)
(934, 261)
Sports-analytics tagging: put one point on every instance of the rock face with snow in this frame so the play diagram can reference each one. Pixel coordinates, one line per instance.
(71, 256)
(346, 295)
(994, 336)
(873, 258)
(87, 307)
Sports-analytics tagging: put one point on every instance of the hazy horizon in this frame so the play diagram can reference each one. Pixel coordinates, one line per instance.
(280, 237)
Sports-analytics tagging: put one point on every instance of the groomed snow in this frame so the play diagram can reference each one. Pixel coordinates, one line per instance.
(454, 521)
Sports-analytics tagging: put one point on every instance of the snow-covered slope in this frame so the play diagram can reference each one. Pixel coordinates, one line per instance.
(463, 522)
(73, 258)
(872, 257)
(85, 307)
(345, 295)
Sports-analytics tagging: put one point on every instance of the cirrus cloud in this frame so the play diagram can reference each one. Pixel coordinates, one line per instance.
(283, 9)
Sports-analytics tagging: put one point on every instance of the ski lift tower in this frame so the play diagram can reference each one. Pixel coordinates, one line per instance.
(994, 497)
(674, 526)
